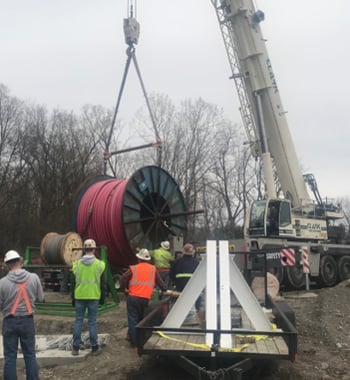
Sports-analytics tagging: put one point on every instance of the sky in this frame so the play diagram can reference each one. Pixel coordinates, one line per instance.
(68, 53)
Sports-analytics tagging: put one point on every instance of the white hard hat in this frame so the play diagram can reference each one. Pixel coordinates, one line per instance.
(11, 255)
(165, 244)
(143, 254)
(89, 243)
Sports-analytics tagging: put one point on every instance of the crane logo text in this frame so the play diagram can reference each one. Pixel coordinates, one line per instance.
(314, 226)
(272, 76)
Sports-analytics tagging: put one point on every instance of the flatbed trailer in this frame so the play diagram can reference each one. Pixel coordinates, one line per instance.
(245, 349)
(186, 345)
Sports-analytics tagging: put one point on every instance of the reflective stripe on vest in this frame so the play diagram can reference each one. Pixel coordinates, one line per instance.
(22, 295)
(142, 280)
(184, 275)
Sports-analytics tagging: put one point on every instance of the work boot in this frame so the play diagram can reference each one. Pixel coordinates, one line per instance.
(75, 351)
(95, 350)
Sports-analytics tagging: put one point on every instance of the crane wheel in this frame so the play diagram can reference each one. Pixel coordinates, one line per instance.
(328, 275)
(344, 268)
(295, 277)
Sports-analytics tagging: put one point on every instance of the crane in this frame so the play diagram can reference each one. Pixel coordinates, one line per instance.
(275, 222)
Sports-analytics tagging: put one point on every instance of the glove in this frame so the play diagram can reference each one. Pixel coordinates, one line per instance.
(101, 301)
(73, 302)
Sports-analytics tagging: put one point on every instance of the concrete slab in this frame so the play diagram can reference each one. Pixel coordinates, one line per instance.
(54, 350)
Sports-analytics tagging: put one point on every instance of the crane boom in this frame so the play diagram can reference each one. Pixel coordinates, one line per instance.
(261, 105)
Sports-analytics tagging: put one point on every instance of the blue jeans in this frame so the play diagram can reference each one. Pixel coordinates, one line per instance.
(20, 329)
(92, 307)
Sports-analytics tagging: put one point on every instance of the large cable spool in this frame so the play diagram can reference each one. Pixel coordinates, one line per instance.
(125, 214)
(56, 249)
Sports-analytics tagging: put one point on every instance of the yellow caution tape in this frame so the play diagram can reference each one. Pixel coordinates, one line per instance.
(203, 346)
(207, 348)
(258, 337)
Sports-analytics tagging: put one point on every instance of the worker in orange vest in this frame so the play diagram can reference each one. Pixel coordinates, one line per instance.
(138, 283)
(19, 291)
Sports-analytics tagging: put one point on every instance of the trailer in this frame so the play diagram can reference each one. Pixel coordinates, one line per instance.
(238, 333)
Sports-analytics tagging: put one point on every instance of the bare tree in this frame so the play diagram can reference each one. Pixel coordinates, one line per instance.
(233, 176)
(13, 177)
(45, 157)
(60, 154)
(11, 124)
(205, 154)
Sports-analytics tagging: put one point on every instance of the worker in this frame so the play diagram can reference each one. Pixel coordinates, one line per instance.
(182, 269)
(162, 259)
(19, 291)
(138, 283)
(88, 291)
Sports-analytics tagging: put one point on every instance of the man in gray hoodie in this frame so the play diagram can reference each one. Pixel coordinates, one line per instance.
(19, 291)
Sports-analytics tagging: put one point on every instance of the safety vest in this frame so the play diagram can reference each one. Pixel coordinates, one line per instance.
(22, 294)
(162, 258)
(88, 280)
(142, 280)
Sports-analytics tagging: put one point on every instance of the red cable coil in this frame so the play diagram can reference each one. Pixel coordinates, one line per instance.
(100, 217)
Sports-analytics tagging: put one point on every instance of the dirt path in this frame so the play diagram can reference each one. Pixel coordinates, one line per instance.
(323, 324)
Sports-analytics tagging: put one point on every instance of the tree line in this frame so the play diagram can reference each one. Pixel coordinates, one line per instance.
(46, 155)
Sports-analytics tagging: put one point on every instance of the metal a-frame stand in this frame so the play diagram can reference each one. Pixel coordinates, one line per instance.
(218, 304)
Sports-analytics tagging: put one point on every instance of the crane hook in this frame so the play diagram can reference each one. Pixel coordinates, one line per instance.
(131, 31)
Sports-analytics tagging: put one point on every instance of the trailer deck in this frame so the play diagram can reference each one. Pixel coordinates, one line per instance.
(237, 332)
(166, 342)
(246, 342)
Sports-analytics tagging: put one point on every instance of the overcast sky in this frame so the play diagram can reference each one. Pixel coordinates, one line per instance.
(68, 53)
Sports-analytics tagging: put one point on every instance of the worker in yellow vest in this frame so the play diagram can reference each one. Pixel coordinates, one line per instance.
(162, 259)
(138, 283)
(89, 291)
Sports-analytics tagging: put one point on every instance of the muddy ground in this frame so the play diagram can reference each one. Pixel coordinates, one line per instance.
(323, 324)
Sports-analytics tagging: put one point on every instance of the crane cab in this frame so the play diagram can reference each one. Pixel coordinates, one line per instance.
(275, 218)
(270, 218)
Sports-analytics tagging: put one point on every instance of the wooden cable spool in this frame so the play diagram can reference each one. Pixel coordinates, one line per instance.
(56, 249)
(258, 286)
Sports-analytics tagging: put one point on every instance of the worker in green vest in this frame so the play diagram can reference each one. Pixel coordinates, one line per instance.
(162, 259)
(88, 290)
